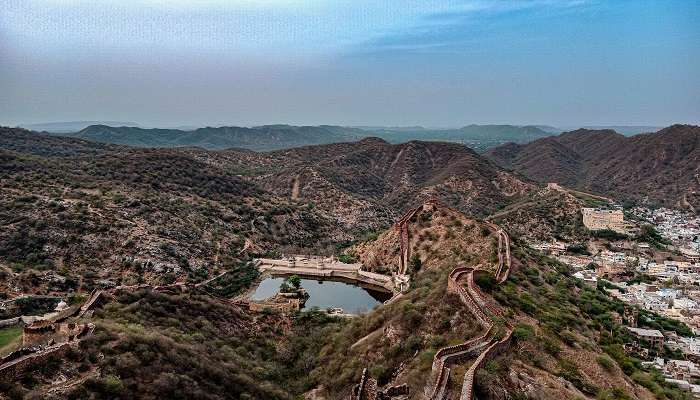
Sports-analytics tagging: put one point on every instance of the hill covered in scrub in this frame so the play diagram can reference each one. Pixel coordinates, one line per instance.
(89, 214)
(564, 344)
(380, 180)
(79, 215)
(95, 214)
(661, 168)
(173, 345)
(434, 237)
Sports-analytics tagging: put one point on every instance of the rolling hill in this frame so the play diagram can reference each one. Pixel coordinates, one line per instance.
(661, 168)
(268, 137)
(370, 182)
(275, 137)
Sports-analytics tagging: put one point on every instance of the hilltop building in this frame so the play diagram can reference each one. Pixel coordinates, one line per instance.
(596, 219)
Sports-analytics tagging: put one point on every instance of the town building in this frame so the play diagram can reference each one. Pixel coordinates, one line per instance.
(652, 336)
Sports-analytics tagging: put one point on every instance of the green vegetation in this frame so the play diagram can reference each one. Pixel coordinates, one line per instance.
(589, 201)
(608, 234)
(648, 319)
(186, 346)
(347, 258)
(578, 248)
(29, 305)
(291, 284)
(235, 281)
(605, 362)
(9, 336)
(649, 234)
(414, 264)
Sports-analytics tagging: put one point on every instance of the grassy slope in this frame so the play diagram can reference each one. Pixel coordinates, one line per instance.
(10, 338)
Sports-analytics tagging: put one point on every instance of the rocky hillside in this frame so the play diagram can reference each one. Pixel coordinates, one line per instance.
(373, 181)
(73, 208)
(660, 168)
(436, 235)
(564, 343)
(85, 214)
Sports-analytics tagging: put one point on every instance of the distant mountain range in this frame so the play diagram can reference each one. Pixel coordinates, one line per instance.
(661, 168)
(275, 137)
(627, 130)
(261, 138)
(71, 126)
(478, 137)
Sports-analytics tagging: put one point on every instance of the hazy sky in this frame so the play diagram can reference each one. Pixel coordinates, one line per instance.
(353, 62)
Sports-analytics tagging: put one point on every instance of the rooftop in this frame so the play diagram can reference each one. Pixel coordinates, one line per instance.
(646, 332)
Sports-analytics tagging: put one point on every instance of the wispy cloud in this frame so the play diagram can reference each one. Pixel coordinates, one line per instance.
(463, 25)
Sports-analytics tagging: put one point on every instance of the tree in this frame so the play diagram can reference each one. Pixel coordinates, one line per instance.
(295, 281)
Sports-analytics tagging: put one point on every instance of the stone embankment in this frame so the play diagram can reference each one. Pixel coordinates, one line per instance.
(485, 347)
(324, 268)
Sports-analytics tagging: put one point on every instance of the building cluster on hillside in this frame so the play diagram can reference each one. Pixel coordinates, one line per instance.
(680, 272)
(680, 305)
(674, 269)
(682, 229)
(679, 372)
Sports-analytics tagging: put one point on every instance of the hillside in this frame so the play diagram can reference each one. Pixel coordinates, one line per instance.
(85, 215)
(556, 337)
(436, 235)
(371, 182)
(661, 168)
(94, 214)
(563, 343)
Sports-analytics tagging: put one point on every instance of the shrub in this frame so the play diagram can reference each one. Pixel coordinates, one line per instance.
(523, 332)
(608, 234)
(569, 371)
(605, 362)
(347, 258)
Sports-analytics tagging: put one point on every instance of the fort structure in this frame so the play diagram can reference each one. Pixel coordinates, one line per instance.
(596, 219)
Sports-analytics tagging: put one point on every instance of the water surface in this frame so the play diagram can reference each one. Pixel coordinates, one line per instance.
(323, 294)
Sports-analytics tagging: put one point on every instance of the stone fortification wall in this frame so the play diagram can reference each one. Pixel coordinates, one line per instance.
(486, 346)
(15, 369)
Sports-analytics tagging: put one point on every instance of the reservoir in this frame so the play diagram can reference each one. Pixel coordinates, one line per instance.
(324, 294)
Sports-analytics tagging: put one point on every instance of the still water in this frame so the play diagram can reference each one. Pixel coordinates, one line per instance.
(323, 294)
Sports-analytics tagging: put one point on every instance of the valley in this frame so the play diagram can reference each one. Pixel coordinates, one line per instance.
(349, 200)
(363, 270)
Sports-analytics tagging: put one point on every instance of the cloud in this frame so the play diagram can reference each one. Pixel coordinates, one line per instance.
(462, 26)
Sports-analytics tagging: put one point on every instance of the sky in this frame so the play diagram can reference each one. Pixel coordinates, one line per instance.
(351, 62)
